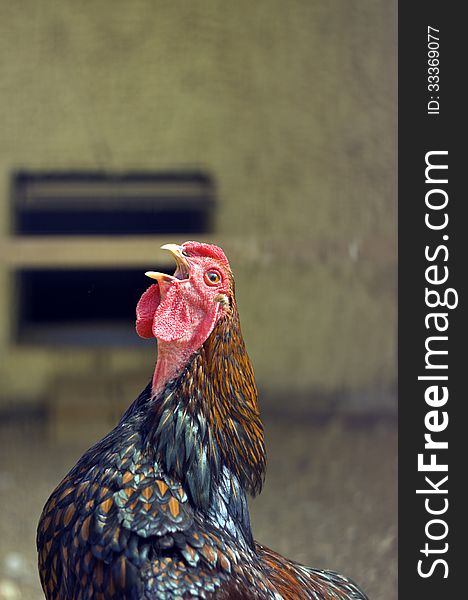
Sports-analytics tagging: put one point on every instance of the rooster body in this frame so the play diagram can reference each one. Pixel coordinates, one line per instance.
(158, 508)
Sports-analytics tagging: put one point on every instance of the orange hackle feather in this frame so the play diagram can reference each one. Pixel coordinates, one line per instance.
(223, 371)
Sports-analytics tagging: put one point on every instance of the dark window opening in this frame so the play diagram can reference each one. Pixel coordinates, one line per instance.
(79, 307)
(112, 204)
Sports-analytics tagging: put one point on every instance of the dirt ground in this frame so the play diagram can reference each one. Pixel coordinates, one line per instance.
(329, 500)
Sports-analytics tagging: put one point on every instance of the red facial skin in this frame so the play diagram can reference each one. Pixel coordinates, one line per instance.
(182, 313)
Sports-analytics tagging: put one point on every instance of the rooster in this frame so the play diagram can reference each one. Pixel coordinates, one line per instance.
(158, 508)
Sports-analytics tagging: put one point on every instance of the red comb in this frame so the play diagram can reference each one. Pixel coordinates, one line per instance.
(208, 250)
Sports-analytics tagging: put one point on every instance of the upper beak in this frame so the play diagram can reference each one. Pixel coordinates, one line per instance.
(183, 267)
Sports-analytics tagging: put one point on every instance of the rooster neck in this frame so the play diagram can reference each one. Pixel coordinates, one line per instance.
(207, 421)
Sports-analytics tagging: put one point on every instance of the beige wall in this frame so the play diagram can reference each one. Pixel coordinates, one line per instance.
(290, 105)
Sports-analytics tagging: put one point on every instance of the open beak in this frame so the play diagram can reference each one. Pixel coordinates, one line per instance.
(183, 268)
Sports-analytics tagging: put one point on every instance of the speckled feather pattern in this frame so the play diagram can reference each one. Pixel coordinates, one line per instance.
(118, 526)
(158, 509)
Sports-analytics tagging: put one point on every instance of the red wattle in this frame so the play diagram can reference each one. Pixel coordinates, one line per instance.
(172, 319)
(145, 311)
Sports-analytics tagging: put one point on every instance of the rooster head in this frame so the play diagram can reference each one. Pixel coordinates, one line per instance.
(184, 308)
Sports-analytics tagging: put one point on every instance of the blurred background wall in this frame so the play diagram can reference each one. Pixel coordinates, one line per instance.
(289, 107)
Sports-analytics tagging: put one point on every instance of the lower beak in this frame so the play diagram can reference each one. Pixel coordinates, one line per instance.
(159, 276)
(183, 267)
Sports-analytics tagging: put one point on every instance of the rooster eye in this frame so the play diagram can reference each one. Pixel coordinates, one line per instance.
(212, 277)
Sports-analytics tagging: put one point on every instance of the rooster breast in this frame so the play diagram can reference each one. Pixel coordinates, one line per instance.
(119, 527)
